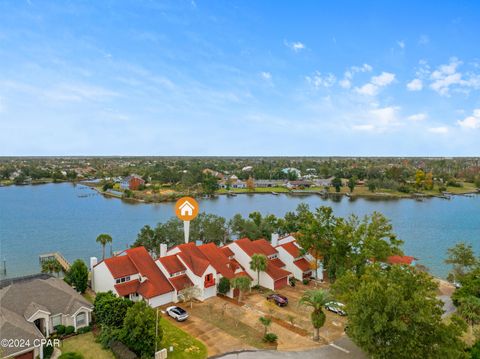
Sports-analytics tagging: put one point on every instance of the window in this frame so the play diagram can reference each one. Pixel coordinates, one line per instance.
(209, 281)
(81, 319)
(56, 320)
(122, 280)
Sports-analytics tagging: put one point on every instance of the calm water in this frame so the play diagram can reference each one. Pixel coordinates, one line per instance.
(45, 218)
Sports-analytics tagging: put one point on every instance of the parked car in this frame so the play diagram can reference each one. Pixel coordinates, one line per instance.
(177, 313)
(278, 299)
(336, 307)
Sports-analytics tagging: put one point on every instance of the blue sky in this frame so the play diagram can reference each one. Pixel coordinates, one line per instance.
(240, 78)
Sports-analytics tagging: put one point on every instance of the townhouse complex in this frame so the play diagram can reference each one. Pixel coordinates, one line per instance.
(136, 275)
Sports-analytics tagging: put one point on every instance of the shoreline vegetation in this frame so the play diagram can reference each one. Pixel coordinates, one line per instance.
(166, 194)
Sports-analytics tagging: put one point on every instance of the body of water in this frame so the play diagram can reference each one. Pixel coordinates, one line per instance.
(67, 218)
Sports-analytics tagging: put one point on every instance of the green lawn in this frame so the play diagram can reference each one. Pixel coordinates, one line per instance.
(185, 346)
(85, 344)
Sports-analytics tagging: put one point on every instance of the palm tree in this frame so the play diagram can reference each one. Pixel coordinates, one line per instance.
(103, 239)
(469, 310)
(258, 264)
(51, 266)
(242, 284)
(266, 323)
(316, 299)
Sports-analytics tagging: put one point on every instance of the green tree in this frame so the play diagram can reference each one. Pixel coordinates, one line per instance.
(77, 276)
(110, 310)
(352, 183)
(242, 283)
(258, 264)
(224, 285)
(170, 233)
(337, 184)
(316, 233)
(138, 331)
(394, 313)
(462, 258)
(104, 239)
(209, 228)
(419, 178)
(266, 323)
(209, 184)
(469, 310)
(51, 266)
(316, 299)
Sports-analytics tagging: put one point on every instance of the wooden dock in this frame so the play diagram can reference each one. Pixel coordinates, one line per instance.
(58, 257)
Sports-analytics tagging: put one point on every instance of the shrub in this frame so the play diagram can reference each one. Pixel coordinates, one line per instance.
(69, 330)
(107, 336)
(121, 351)
(292, 281)
(47, 351)
(306, 281)
(270, 338)
(71, 355)
(223, 286)
(60, 329)
(84, 330)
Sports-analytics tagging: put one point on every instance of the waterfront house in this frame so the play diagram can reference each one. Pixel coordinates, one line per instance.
(275, 277)
(268, 183)
(132, 182)
(32, 307)
(133, 274)
(291, 254)
(299, 184)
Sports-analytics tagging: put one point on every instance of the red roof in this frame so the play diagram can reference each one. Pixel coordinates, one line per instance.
(181, 282)
(400, 260)
(172, 264)
(277, 262)
(260, 246)
(303, 264)
(127, 288)
(120, 266)
(276, 272)
(193, 258)
(217, 259)
(292, 249)
(227, 251)
(137, 260)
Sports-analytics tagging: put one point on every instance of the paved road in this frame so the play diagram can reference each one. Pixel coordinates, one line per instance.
(342, 348)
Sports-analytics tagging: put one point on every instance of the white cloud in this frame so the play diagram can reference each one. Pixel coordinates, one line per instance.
(386, 115)
(346, 82)
(417, 117)
(439, 130)
(378, 119)
(384, 79)
(376, 82)
(266, 75)
(295, 46)
(415, 85)
(447, 78)
(471, 122)
(318, 80)
(368, 89)
(401, 44)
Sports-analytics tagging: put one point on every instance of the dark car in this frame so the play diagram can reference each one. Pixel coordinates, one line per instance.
(278, 299)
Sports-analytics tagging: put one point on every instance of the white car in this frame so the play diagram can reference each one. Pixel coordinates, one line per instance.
(177, 313)
(336, 307)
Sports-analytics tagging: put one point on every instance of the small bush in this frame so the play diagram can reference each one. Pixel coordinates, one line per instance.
(60, 329)
(84, 330)
(292, 281)
(306, 281)
(270, 338)
(69, 330)
(121, 351)
(71, 355)
(47, 351)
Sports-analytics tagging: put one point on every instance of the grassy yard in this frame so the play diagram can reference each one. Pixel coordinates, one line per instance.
(185, 346)
(85, 344)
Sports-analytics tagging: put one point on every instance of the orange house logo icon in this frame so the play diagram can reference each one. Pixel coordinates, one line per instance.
(186, 208)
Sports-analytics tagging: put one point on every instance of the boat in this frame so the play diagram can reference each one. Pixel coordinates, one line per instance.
(275, 193)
